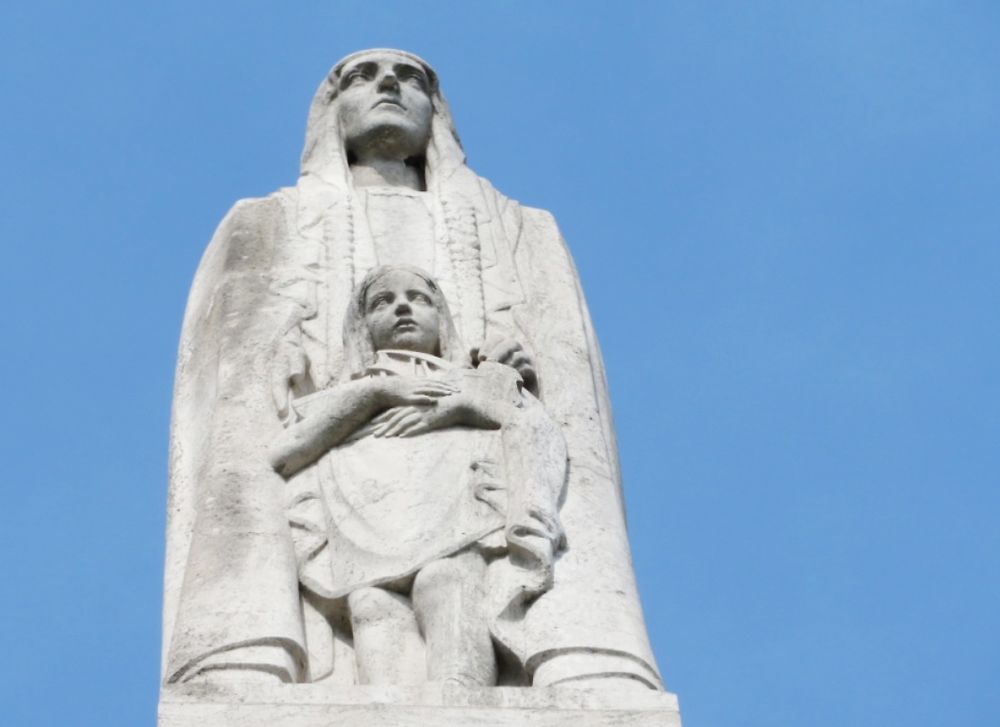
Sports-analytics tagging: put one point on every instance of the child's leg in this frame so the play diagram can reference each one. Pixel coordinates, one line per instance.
(387, 644)
(449, 596)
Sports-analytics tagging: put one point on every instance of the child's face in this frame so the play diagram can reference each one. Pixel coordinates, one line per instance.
(400, 313)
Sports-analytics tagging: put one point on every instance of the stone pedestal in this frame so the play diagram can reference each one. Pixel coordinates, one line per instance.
(313, 705)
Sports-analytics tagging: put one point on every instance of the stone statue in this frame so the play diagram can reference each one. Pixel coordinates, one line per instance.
(300, 401)
(418, 526)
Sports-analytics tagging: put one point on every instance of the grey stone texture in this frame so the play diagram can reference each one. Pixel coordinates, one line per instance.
(394, 483)
(428, 706)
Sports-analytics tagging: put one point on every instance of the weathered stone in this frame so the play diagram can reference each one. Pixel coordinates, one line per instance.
(428, 706)
(392, 457)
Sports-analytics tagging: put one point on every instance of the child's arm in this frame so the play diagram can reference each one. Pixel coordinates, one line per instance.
(488, 398)
(345, 408)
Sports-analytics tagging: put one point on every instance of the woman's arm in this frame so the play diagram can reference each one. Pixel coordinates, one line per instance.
(345, 408)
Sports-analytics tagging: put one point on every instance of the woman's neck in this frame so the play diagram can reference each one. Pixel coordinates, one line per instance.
(375, 172)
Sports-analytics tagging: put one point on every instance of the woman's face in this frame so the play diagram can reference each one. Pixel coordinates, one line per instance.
(400, 313)
(384, 106)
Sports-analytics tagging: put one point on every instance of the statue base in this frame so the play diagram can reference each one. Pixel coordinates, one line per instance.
(431, 705)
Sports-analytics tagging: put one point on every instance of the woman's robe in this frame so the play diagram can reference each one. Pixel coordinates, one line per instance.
(262, 327)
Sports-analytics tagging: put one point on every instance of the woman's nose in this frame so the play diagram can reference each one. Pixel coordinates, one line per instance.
(388, 82)
(402, 308)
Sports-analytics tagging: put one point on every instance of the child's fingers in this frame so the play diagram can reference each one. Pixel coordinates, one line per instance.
(399, 425)
(418, 428)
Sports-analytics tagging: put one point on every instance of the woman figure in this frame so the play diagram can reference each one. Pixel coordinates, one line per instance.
(423, 496)
(383, 180)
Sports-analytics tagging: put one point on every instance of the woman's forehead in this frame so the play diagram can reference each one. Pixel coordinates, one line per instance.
(381, 57)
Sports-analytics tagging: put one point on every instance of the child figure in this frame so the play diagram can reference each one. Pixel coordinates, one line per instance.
(424, 496)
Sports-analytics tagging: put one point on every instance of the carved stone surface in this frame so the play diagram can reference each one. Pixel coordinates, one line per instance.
(427, 706)
(392, 457)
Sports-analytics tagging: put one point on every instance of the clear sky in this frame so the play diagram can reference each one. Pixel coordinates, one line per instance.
(786, 216)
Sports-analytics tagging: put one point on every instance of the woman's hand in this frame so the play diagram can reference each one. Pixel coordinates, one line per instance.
(399, 391)
(509, 352)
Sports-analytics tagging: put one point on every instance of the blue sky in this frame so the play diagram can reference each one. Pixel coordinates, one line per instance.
(786, 219)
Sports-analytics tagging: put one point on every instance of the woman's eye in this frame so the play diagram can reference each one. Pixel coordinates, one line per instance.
(353, 76)
(415, 78)
(422, 298)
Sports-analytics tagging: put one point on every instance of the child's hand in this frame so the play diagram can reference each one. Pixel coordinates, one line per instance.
(409, 421)
(403, 391)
